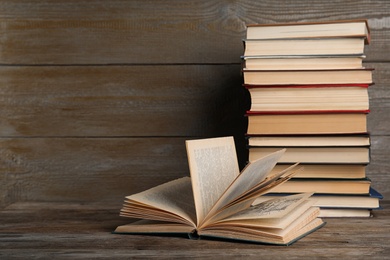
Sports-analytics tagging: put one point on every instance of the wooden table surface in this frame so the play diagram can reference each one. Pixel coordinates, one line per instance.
(57, 231)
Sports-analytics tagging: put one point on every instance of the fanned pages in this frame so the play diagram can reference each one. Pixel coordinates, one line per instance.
(215, 201)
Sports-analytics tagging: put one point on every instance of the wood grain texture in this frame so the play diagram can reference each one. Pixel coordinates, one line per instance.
(104, 32)
(191, 100)
(87, 169)
(378, 119)
(83, 231)
(97, 97)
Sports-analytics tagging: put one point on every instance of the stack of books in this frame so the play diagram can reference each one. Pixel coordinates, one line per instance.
(309, 94)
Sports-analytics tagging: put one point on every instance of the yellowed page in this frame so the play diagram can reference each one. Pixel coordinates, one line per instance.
(243, 201)
(213, 167)
(175, 196)
(261, 222)
(253, 174)
(272, 180)
(263, 235)
(274, 208)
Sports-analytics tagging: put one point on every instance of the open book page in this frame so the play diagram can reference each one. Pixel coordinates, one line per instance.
(253, 174)
(306, 224)
(272, 209)
(279, 223)
(213, 166)
(268, 183)
(174, 197)
(300, 222)
(249, 196)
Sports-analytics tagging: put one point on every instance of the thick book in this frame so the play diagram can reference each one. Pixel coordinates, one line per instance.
(305, 46)
(302, 62)
(307, 122)
(342, 28)
(345, 213)
(215, 201)
(328, 171)
(309, 97)
(325, 186)
(307, 77)
(316, 155)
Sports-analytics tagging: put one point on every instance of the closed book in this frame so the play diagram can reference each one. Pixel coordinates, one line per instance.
(305, 46)
(328, 171)
(345, 213)
(308, 122)
(337, 201)
(325, 186)
(331, 155)
(302, 62)
(309, 97)
(344, 28)
(307, 77)
(346, 140)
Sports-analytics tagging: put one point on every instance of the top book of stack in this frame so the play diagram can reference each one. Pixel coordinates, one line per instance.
(347, 28)
(307, 46)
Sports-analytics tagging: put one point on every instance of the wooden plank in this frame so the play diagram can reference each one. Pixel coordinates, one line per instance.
(88, 169)
(379, 93)
(103, 32)
(379, 169)
(121, 100)
(83, 231)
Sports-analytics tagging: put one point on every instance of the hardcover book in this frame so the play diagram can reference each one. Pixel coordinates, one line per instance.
(323, 155)
(328, 171)
(307, 77)
(337, 201)
(306, 122)
(215, 201)
(339, 205)
(342, 28)
(309, 97)
(305, 46)
(325, 186)
(302, 62)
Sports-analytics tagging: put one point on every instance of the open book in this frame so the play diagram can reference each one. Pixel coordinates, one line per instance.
(215, 202)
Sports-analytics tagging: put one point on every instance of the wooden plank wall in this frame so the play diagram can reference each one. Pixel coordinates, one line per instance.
(97, 97)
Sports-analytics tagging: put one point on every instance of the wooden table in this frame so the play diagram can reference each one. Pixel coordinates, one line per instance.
(48, 230)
